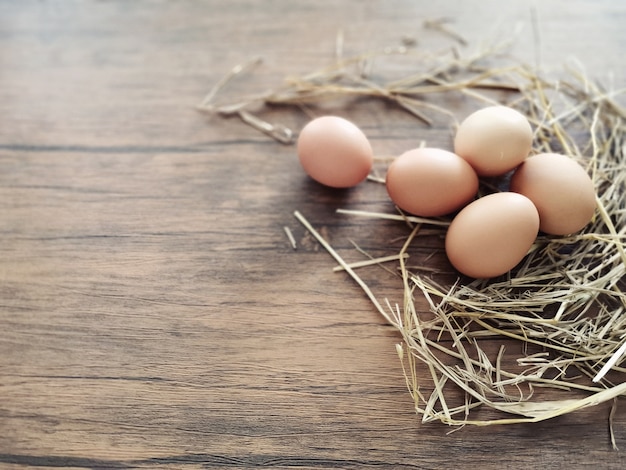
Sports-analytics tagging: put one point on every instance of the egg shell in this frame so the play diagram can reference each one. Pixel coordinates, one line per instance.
(430, 182)
(490, 236)
(561, 190)
(494, 140)
(334, 152)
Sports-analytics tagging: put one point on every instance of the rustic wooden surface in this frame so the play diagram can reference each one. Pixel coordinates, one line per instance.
(153, 313)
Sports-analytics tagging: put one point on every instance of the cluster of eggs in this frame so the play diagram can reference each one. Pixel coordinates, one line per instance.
(488, 235)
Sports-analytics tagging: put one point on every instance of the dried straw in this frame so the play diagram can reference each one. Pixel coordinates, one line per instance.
(563, 303)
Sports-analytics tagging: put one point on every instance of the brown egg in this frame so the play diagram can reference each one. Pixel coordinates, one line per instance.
(561, 190)
(430, 182)
(334, 152)
(492, 235)
(494, 140)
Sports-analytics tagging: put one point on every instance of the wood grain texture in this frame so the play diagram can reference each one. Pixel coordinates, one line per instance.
(153, 313)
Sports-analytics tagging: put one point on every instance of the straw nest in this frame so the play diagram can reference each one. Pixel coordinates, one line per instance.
(563, 303)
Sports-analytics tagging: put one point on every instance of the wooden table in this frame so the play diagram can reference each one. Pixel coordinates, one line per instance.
(153, 311)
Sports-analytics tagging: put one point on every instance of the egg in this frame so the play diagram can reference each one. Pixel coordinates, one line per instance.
(430, 182)
(334, 152)
(561, 190)
(491, 235)
(494, 140)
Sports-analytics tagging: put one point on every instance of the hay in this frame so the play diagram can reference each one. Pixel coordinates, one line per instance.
(563, 303)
